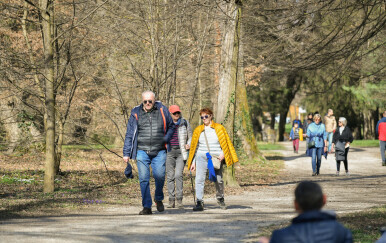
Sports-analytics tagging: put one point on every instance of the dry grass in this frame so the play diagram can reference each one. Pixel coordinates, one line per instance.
(94, 177)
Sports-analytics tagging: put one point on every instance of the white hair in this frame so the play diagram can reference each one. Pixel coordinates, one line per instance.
(343, 121)
(148, 92)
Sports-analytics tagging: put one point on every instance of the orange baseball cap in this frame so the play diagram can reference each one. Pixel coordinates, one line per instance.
(174, 108)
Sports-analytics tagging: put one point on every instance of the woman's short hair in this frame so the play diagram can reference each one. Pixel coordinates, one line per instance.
(317, 116)
(343, 121)
(206, 111)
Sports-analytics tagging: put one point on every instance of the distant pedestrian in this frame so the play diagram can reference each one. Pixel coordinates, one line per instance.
(297, 120)
(296, 134)
(214, 136)
(330, 123)
(177, 156)
(312, 224)
(381, 131)
(149, 128)
(317, 145)
(306, 122)
(341, 141)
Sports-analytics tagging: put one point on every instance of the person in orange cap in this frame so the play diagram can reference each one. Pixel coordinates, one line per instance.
(176, 157)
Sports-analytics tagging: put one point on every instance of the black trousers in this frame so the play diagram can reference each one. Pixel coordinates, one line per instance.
(344, 161)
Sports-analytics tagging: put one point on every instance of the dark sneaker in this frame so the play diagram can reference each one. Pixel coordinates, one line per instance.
(199, 206)
(221, 203)
(179, 204)
(160, 206)
(383, 163)
(145, 211)
(172, 204)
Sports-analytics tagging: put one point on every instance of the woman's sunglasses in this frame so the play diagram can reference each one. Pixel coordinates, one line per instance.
(176, 113)
(204, 117)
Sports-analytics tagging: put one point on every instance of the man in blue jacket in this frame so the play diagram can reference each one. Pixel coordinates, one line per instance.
(149, 129)
(312, 224)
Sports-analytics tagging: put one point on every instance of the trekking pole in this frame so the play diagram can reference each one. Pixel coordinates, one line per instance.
(194, 193)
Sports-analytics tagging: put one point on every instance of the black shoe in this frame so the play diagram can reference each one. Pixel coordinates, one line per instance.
(145, 211)
(221, 203)
(383, 163)
(160, 206)
(199, 206)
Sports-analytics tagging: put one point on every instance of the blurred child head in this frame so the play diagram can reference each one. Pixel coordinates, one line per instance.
(296, 125)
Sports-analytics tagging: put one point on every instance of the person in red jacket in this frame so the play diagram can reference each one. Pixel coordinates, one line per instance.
(381, 131)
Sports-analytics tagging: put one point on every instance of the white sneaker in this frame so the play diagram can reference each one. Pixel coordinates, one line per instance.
(347, 173)
(337, 173)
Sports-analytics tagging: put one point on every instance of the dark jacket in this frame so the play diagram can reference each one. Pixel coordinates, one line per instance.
(345, 137)
(131, 140)
(313, 226)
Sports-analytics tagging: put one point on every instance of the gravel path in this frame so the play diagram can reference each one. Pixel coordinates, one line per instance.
(364, 188)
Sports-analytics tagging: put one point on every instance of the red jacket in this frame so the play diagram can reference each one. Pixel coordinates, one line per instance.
(381, 129)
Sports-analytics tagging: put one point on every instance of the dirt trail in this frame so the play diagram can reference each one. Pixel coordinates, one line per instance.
(364, 188)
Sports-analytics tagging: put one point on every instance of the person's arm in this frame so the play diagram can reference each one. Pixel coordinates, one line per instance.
(291, 133)
(350, 137)
(308, 134)
(376, 128)
(189, 133)
(232, 150)
(127, 146)
(325, 138)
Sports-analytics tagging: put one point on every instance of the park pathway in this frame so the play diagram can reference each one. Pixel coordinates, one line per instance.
(365, 188)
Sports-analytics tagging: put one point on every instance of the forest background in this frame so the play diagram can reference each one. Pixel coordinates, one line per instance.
(71, 71)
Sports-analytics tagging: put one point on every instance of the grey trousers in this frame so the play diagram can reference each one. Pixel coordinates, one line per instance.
(382, 145)
(201, 169)
(174, 172)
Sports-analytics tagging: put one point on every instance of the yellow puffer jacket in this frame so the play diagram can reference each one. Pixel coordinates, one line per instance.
(225, 143)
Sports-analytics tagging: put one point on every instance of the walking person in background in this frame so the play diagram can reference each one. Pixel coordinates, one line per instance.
(317, 145)
(149, 128)
(341, 141)
(177, 156)
(306, 123)
(330, 123)
(297, 120)
(381, 132)
(214, 136)
(296, 134)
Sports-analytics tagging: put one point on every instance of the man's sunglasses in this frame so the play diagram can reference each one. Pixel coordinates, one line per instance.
(204, 117)
(176, 113)
(148, 101)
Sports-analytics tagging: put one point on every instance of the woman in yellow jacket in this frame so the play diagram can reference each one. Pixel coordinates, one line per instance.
(220, 145)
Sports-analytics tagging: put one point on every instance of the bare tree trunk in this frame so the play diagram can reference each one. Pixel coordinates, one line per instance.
(232, 105)
(46, 8)
(368, 125)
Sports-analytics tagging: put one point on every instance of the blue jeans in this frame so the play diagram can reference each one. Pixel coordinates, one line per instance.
(329, 139)
(157, 163)
(316, 159)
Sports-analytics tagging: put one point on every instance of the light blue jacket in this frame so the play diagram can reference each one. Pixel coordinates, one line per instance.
(317, 132)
